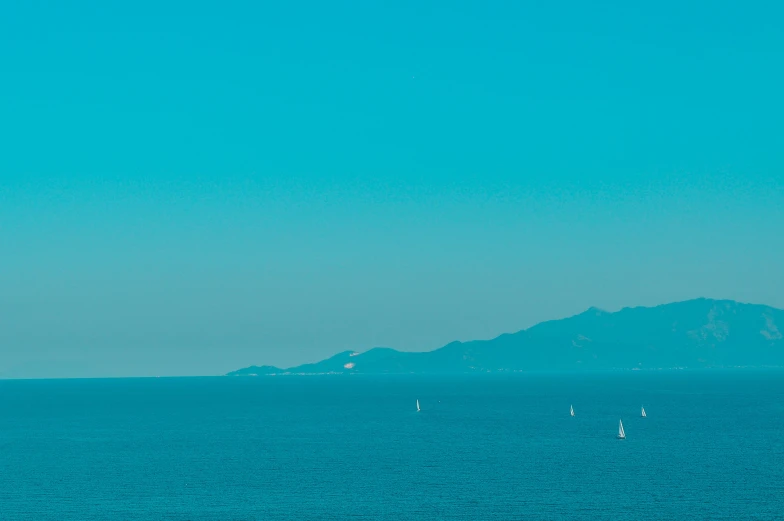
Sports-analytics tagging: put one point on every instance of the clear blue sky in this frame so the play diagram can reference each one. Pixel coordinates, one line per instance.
(193, 187)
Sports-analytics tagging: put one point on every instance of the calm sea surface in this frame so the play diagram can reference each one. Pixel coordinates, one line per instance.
(354, 448)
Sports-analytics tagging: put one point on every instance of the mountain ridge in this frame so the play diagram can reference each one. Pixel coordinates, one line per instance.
(697, 333)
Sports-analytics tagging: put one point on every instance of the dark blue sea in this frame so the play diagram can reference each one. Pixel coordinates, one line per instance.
(354, 448)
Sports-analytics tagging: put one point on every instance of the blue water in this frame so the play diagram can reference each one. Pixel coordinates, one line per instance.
(353, 448)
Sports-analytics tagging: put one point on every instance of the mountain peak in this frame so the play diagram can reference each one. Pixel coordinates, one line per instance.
(593, 310)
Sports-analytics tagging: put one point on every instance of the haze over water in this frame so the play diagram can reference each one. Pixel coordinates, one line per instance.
(337, 448)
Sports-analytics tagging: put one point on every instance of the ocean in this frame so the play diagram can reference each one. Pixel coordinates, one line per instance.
(484, 447)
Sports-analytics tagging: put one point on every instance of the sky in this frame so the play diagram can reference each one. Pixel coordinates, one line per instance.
(187, 188)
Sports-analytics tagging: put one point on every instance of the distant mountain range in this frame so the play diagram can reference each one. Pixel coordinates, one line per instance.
(697, 333)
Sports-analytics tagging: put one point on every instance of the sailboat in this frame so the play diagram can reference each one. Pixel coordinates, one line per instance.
(418, 409)
(571, 411)
(621, 432)
(642, 412)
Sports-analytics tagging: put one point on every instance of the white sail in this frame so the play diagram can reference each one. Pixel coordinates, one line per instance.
(418, 409)
(571, 410)
(621, 433)
(642, 412)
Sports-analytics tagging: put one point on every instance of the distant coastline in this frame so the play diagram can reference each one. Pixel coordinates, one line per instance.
(285, 373)
(694, 334)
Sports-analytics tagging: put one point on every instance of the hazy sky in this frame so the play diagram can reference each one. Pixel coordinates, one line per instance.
(194, 187)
